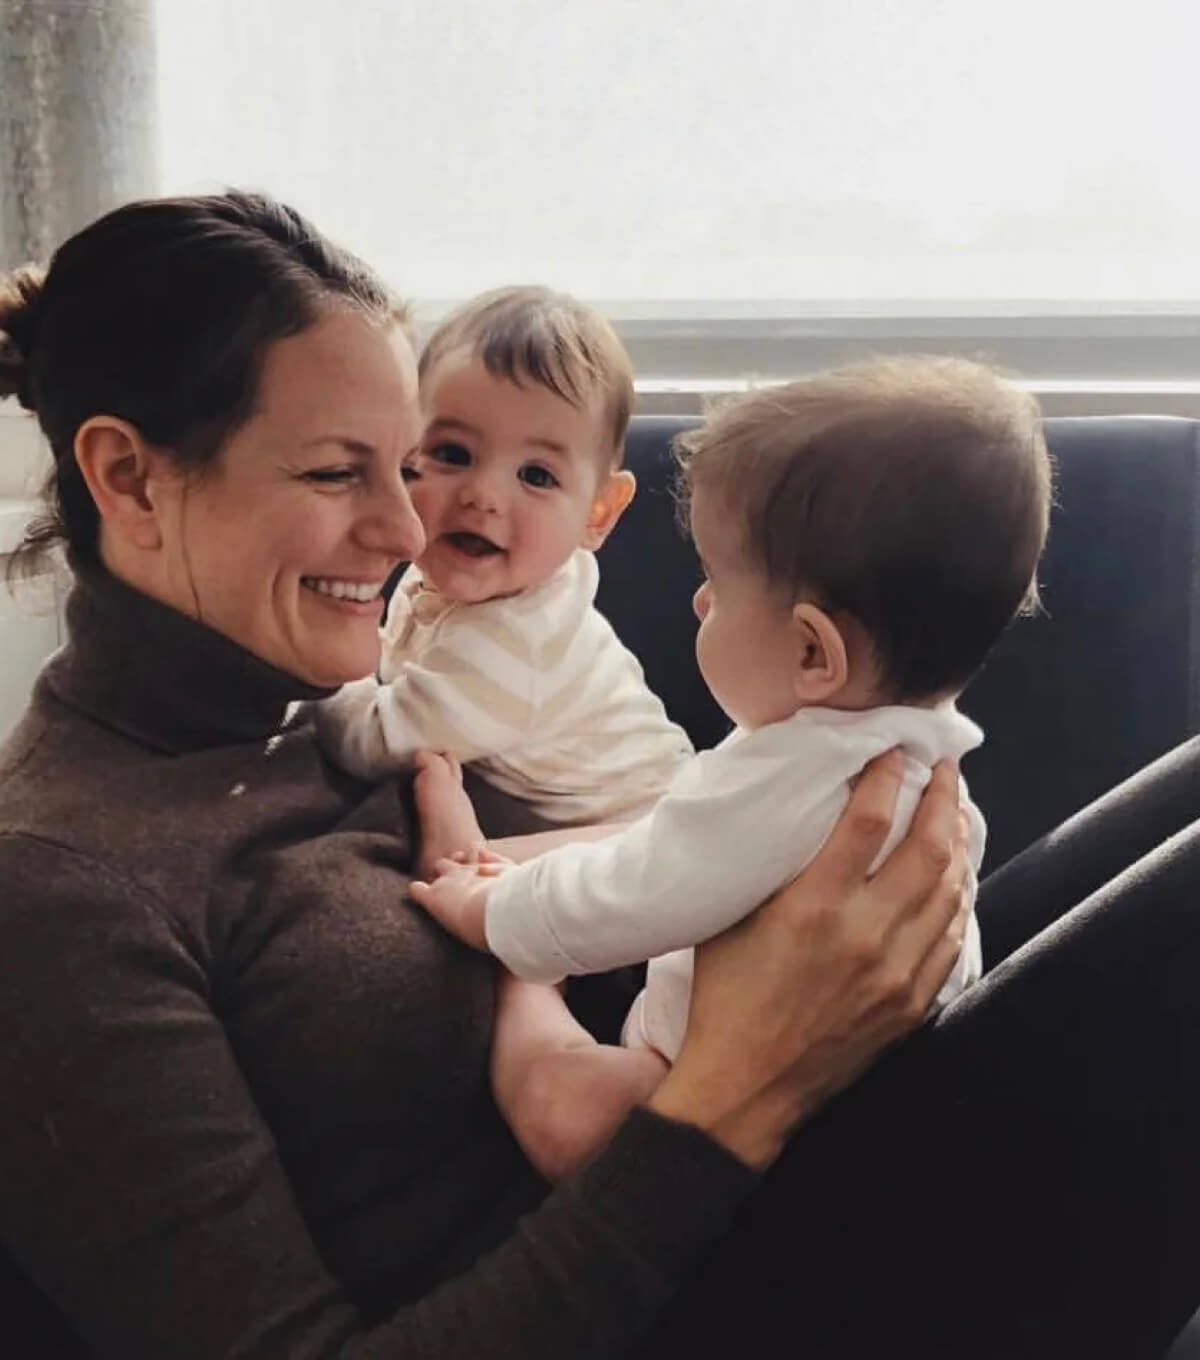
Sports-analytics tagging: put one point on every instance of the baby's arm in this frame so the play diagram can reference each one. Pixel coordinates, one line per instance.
(457, 697)
(730, 831)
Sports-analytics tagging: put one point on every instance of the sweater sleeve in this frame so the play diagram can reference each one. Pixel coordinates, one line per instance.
(737, 823)
(143, 1193)
(470, 695)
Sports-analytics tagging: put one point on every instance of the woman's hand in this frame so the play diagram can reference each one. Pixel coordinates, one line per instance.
(792, 1003)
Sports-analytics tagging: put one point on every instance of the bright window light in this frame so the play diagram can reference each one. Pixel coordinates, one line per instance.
(659, 154)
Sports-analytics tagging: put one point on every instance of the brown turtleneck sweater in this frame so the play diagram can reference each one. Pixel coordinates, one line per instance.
(244, 1108)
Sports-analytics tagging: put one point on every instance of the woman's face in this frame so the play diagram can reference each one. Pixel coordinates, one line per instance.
(285, 543)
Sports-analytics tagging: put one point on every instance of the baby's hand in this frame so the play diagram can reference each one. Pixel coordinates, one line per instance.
(457, 898)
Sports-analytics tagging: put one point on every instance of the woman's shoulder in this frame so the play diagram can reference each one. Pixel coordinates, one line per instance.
(65, 783)
(69, 918)
(58, 769)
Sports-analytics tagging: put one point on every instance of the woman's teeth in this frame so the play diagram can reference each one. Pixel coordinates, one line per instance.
(362, 592)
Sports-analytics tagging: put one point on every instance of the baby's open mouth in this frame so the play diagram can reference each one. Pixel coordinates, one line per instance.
(472, 545)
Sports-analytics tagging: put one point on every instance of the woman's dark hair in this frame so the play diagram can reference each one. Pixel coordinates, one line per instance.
(161, 313)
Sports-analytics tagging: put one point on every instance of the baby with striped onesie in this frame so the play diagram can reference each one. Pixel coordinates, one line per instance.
(494, 654)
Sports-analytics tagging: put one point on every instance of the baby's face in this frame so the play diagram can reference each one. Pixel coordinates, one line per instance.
(746, 646)
(504, 481)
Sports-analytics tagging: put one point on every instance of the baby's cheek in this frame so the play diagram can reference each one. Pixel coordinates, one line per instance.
(423, 497)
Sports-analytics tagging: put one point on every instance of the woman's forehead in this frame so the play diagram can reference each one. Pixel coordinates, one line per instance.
(345, 364)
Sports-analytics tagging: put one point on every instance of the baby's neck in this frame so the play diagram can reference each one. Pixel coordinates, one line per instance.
(875, 696)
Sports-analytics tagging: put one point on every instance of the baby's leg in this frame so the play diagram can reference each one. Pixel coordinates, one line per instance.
(447, 820)
(520, 848)
(561, 1093)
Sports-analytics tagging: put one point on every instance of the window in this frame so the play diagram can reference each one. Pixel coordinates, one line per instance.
(884, 157)
(753, 187)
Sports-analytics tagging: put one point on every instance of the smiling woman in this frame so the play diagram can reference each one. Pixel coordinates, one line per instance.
(286, 542)
(251, 516)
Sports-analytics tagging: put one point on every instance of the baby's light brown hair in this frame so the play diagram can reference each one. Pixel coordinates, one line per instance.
(537, 335)
(910, 493)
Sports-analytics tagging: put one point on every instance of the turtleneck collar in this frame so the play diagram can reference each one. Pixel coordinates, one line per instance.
(160, 677)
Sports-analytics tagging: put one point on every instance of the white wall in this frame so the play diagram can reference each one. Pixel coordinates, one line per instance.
(30, 626)
(30, 629)
(22, 456)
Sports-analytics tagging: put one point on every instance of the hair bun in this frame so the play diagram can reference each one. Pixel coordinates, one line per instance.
(20, 296)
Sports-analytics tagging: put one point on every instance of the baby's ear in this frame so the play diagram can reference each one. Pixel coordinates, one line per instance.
(822, 665)
(612, 496)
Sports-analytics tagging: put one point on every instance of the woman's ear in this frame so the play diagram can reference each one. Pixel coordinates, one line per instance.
(611, 499)
(126, 478)
(822, 666)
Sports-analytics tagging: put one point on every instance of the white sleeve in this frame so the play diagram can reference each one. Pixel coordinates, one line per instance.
(471, 695)
(737, 823)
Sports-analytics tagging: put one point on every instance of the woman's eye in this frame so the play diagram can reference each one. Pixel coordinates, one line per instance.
(333, 476)
(534, 474)
(450, 455)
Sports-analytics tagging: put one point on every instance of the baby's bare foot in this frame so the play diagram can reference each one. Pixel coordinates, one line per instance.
(447, 820)
(561, 1093)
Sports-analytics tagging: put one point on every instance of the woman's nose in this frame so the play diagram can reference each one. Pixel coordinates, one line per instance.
(392, 525)
(700, 601)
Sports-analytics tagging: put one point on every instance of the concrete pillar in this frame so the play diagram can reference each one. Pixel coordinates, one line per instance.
(77, 117)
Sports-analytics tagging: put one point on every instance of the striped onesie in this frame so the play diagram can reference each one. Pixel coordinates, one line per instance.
(535, 691)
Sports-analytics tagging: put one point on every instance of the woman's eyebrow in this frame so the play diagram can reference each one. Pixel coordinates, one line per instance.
(358, 447)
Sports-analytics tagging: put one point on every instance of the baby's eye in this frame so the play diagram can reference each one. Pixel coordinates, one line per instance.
(450, 455)
(534, 474)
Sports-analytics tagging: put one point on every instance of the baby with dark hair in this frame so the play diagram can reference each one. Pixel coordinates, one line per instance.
(866, 536)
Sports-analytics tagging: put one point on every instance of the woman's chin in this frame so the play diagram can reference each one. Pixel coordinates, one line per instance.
(328, 667)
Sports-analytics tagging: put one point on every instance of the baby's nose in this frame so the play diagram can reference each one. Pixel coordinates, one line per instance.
(484, 490)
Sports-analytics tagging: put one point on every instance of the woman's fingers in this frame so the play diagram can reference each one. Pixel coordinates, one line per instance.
(914, 869)
(863, 827)
(926, 872)
(936, 966)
